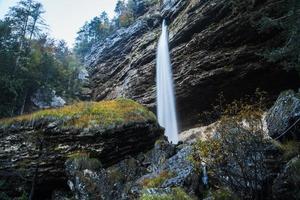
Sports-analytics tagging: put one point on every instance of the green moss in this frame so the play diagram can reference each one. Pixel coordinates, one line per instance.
(180, 194)
(157, 181)
(87, 114)
(156, 197)
(176, 194)
(78, 154)
(223, 194)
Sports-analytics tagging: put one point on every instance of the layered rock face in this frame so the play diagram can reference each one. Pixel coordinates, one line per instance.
(34, 152)
(216, 46)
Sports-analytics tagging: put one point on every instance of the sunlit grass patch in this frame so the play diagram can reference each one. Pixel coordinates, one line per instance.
(86, 114)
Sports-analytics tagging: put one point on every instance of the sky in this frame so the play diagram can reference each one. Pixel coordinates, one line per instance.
(65, 17)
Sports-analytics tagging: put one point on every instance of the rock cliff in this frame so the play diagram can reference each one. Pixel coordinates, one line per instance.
(216, 45)
(34, 148)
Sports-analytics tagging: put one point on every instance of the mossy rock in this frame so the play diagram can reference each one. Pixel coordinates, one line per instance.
(87, 114)
(93, 135)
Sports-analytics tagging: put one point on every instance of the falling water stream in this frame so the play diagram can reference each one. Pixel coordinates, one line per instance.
(166, 111)
(204, 176)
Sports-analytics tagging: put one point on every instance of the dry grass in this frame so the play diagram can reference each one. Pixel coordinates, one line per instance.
(86, 114)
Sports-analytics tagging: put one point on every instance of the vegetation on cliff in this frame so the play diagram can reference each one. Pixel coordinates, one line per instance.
(100, 27)
(236, 153)
(86, 114)
(84, 136)
(244, 156)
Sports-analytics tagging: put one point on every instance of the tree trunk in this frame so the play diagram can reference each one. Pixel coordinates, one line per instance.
(22, 39)
(24, 103)
(33, 27)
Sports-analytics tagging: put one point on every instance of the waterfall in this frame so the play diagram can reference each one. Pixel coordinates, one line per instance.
(166, 111)
(204, 177)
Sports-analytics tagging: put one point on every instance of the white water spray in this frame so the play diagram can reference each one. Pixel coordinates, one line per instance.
(165, 91)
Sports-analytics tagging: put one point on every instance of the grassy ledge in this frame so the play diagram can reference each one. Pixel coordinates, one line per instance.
(89, 114)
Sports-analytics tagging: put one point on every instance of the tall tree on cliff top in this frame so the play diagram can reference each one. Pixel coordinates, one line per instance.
(99, 28)
(120, 7)
(26, 22)
(92, 32)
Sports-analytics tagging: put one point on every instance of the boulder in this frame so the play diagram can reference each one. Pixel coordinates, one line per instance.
(34, 148)
(114, 182)
(282, 119)
(177, 171)
(160, 169)
(47, 98)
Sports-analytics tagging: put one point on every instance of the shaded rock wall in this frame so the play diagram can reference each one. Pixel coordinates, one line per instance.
(41, 150)
(216, 46)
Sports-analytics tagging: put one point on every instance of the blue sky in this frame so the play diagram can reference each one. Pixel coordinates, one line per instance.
(65, 17)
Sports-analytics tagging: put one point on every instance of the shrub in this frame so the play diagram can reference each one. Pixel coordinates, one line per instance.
(257, 102)
(235, 154)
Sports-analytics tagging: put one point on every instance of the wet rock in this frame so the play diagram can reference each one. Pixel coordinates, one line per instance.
(281, 118)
